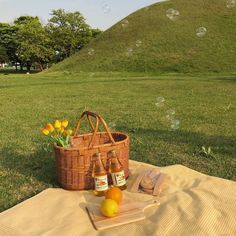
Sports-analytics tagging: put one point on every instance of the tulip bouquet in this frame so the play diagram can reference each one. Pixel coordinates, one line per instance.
(58, 132)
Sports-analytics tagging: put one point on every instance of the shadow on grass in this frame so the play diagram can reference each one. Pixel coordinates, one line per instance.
(183, 147)
(88, 80)
(24, 175)
(14, 72)
(39, 165)
(226, 79)
(221, 144)
(72, 82)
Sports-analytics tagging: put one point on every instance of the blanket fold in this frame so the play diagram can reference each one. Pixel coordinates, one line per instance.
(191, 204)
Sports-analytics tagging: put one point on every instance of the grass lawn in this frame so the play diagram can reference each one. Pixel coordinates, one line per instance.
(204, 105)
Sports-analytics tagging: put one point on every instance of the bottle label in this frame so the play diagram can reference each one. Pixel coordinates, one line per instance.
(118, 178)
(101, 183)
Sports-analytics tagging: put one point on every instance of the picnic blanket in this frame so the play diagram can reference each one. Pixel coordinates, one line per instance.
(191, 204)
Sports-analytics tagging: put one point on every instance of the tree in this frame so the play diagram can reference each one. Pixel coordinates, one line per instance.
(34, 42)
(3, 55)
(9, 41)
(22, 20)
(69, 32)
(96, 32)
(28, 42)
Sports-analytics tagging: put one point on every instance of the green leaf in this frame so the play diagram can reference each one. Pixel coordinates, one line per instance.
(67, 140)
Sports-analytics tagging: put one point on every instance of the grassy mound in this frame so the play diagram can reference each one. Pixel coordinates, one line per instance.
(148, 40)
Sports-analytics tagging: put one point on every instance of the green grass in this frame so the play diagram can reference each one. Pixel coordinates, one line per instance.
(205, 105)
(167, 46)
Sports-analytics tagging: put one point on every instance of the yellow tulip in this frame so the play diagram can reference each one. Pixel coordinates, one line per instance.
(64, 123)
(62, 130)
(57, 124)
(44, 131)
(65, 132)
(50, 127)
(69, 132)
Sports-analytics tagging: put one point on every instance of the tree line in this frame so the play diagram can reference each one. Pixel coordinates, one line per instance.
(28, 43)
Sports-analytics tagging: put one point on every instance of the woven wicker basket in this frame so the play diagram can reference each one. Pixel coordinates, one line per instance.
(74, 164)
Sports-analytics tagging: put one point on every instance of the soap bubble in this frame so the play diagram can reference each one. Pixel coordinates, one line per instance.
(124, 23)
(230, 3)
(106, 8)
(129, 51)
(172, 14)
(91, 51)
(201, 31)
(160, 102)
(138, 43)
(170, 114)
(175, 124)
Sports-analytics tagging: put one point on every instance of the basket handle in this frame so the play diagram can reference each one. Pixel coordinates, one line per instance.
(94, 128)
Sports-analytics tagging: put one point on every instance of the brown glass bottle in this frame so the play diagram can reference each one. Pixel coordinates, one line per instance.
(100, 176)
(117, 171)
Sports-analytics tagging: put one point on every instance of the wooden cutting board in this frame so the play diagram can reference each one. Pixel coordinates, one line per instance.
(128, 213)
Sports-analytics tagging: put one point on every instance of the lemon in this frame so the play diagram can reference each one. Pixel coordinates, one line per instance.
(109, 207)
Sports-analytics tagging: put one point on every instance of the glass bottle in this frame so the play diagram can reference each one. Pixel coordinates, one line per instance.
(100, 176)
(117, 171)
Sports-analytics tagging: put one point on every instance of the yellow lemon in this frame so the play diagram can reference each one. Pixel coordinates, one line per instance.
(57, 124)
(45, 131)
(50, 127)
(109, 208)
(64, 123)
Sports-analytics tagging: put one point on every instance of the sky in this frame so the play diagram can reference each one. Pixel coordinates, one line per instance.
(98, 13)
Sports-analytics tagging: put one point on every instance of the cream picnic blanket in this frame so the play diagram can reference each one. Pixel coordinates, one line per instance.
(191, 204)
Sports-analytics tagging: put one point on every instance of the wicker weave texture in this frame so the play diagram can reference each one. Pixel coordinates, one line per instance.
(74, 165)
